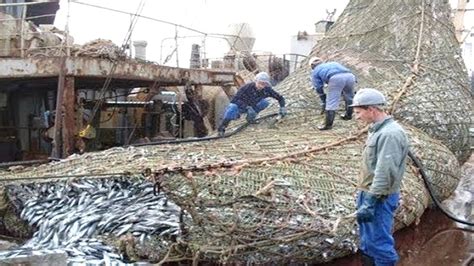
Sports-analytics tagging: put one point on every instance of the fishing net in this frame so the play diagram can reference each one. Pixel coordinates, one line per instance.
(408, 49)
(278, 191)
(283, 191)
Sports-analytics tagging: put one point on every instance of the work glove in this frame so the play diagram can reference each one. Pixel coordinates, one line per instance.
(366, 211)
(322, 103)
(251, 114)
(283, 112)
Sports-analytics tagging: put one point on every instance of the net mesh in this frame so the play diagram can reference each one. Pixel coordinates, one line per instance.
(282, 191)
(277, 191)
(408, 49)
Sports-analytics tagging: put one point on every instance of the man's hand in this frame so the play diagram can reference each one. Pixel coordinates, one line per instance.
(283, 112)
(366, 211)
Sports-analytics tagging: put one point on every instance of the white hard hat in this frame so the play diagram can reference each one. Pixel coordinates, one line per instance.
(314, 61)
(264, 77)
(367, 97)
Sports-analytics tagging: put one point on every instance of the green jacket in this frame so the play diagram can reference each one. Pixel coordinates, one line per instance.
(383, 159)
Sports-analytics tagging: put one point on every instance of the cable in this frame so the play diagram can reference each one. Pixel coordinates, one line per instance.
(430, 190)
(173, 141)
(235, 131)
(141, 16)
(108, 80)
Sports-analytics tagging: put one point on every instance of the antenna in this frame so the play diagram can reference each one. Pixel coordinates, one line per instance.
(330, 15)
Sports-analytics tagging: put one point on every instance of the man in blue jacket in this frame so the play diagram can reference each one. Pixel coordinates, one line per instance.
(381, 172)
(251, 99)
(339, 80)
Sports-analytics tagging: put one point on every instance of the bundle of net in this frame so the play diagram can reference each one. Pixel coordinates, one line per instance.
(409, 51)
(283, 191)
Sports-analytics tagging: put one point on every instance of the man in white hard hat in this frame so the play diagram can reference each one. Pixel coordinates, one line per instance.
(340, 80)
(251, 99)
(383, 166)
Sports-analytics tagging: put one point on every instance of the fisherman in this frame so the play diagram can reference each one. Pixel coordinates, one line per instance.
(251, 99)
(339, 80)
(195, 109)
(383, 166)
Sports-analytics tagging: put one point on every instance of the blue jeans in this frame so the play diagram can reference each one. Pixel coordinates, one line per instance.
(233, 112)
(376, 238)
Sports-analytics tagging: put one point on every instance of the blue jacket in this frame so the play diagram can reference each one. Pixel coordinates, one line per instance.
(323, 72)
(248, 95)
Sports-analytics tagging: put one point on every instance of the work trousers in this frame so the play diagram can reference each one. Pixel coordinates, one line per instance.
(233, 112)
(338, 84)
(376, 238)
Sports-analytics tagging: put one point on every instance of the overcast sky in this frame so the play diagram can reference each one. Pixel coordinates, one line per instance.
(273, 22)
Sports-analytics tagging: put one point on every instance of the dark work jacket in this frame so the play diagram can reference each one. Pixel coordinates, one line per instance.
(248, 95)
(196, 110)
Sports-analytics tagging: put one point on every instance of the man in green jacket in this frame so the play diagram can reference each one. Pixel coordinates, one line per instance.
(383, 166)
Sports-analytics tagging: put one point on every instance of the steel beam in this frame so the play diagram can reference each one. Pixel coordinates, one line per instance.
(85, 67)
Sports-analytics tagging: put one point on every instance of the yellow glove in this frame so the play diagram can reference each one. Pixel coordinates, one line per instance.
(88, 132)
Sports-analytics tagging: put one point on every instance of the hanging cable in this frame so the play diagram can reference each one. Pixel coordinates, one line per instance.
(108, 80)
(430, 190)
(141, 16)
(176, 45)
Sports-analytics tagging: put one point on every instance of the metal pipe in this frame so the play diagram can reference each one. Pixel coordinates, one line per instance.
(24, 4)
(127, 104)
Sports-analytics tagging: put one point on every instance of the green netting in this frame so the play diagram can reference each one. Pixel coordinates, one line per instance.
(284, 191)
(278, 191)
(408, 49)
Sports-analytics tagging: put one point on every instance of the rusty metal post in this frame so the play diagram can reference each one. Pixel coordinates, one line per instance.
(180, 114)
(69, 129)
(57, 141)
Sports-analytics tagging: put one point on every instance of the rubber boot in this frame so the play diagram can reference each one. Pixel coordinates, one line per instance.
(322, 104)
(328, 121)
(251, 115)
(222, 127)
(348, 114)
(367, 260)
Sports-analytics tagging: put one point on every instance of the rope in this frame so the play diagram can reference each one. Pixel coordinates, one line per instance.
(415, 67)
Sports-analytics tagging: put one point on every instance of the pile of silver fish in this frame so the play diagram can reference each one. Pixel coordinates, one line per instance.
(271, 193)
(76, 216)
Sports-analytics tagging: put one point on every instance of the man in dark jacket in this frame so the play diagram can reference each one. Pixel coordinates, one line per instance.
(251, 99)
